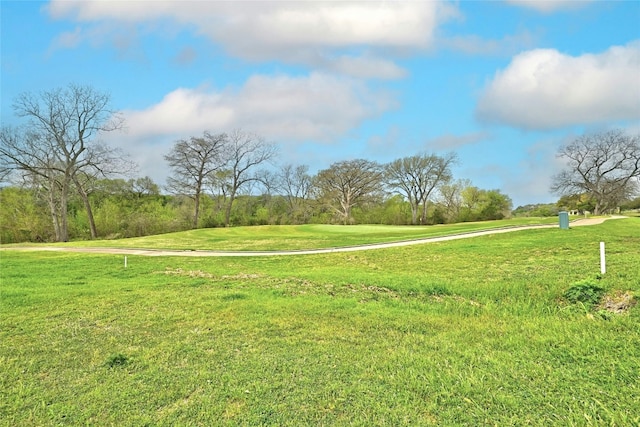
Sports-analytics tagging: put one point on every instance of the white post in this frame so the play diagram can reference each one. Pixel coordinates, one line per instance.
(603, 265)
(125, 261)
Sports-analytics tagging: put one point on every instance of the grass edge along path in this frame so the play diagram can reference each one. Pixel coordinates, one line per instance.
(359, 247)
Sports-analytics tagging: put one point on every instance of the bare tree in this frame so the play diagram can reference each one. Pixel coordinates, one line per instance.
(295, 183)
(61, 142)
(345, 184)
(604, 165)
(192, 162)
(416, 178)
(100, 161)
(25, 152)
(244, 151)
(143, 187)
(450, 196)
(219, 184)
(265, 184)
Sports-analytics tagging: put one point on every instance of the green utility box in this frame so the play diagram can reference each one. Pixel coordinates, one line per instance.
(564, 220)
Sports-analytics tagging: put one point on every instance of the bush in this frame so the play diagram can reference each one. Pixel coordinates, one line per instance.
(116, 360)
(585, 293)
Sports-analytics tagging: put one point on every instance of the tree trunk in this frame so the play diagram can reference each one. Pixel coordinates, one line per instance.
(51, 201)
(196, 214)
(423, 217)
(414, 214)
(227, 213)
(87, 206)
(346, 209)
(92, 222)
(64, 223)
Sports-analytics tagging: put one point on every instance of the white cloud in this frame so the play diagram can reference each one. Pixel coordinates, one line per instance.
(276, 25)
(319, 107)
(543, 89)
(284, 110)
(180, 111)
(295, 32)
(548, 6)
(330, 24)
(366, 67)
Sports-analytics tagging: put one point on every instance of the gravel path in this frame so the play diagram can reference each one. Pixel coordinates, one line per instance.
(207, 253)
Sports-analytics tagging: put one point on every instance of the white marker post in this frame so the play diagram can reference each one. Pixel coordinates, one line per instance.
(125, 261)
(603, 264)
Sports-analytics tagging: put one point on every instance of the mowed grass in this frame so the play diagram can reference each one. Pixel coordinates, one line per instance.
(311, 236)
(469, 332)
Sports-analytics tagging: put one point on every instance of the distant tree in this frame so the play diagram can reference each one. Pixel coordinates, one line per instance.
(417, 177)
(192, 162)
(218, 185)
(245, 151)
(294, 182)
(450, 197)
(495, 205)
(395, 211)
(536, 210)
(347, 183)
(35, 165)
(578, 202)
(267, 186)
(60, 145)
(104, 162)
(481, 205)
(631, 204)
(22, 217)
(143, 187)
(604, 165)
(471, 203)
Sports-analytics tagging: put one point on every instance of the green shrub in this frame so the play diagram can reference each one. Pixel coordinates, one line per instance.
(116, 360)
(584, 292)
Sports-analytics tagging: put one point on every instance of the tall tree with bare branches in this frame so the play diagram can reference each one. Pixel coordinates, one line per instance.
(245, 151)
(417, 177)
(345, 184)
(60, 142)
(295, 183)
(193, 161)
(603, 165)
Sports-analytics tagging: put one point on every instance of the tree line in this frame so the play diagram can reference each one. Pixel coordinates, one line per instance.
(67, 184)
(137, 207)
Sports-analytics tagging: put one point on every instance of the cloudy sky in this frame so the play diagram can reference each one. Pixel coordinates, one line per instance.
(501, 83)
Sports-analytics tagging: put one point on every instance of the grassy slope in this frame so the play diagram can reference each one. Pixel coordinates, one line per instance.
(465, 332)
(295, 237)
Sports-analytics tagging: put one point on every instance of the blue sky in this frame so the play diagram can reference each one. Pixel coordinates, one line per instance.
(501, 83)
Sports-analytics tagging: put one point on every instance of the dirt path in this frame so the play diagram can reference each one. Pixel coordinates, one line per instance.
(207, 253)
(594, 221)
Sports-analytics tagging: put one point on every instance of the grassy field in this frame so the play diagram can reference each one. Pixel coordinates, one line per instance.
(312, 236)
(483, 331)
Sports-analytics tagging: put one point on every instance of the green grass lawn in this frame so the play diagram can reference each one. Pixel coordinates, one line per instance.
(312, 236)
(469, 332)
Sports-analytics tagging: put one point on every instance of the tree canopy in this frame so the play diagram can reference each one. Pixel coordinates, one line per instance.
(192, 162)
(59, 146)
(416, 178)
(346, 183)
(605, 166)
